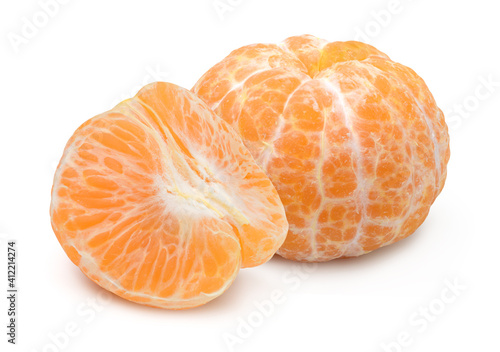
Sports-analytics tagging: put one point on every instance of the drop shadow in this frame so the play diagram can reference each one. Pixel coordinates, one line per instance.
(230, 300)
(378, 256)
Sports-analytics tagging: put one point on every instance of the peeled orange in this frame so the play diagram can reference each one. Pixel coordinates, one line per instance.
(159, 202)
(353, 141)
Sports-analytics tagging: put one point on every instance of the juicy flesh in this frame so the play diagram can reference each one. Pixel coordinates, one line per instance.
(354, 142)
(159, 202)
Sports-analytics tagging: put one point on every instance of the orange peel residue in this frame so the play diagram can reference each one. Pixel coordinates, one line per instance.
(159, 201)
(353, 141)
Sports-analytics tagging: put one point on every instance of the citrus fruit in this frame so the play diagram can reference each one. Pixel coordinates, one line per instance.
(159, 202)
(353, 141)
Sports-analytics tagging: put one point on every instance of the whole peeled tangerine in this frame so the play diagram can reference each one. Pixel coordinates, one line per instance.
(353, 141)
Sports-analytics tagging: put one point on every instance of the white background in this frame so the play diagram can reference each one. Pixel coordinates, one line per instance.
(91, 54)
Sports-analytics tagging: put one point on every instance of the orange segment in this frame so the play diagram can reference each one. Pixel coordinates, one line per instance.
(159, 201)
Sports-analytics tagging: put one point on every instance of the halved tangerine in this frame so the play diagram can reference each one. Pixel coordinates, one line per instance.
(159, 202)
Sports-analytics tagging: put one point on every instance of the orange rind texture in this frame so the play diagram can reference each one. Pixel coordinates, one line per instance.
(159, 202)
(353, 141)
